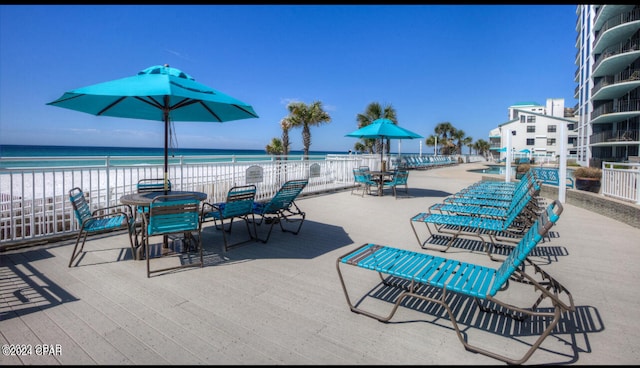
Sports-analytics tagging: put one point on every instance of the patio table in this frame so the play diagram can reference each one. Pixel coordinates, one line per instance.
(379, 176)
(144, 200)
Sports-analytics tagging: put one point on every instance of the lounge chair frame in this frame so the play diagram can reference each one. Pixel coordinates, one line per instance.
(281, 208)
(415, 270)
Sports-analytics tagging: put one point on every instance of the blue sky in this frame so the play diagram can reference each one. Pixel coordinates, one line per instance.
(465, 64)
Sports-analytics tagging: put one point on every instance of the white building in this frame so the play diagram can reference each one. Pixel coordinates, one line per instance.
(608, 78)
(535, 131)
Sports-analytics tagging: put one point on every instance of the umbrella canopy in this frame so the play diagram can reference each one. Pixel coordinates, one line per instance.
(525, 150)
(503, 149)
(383, 129)
(157, 93)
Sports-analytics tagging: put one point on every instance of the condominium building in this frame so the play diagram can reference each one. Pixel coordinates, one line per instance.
(608, 78)
(534, 131)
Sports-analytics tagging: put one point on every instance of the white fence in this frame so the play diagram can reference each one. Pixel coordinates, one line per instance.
(34, 202)
(621, 181)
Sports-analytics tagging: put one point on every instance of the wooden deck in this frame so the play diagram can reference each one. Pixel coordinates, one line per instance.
(281, 303)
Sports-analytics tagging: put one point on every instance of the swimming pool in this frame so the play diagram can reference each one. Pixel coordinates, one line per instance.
(499, 170)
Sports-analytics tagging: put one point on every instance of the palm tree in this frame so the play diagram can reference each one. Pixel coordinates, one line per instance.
(301, 114)
(468, 141)
(373, 112)
(482, 147)
(360, 147)
(432, 140)
(461, 139)
(285, 125)
(275, 147)
(445, 132)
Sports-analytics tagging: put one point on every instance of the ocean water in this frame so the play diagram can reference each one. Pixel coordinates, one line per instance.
(83, 155)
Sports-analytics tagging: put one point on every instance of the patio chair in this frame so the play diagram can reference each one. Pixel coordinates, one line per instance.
(174, 214)
(118, 217)
(454, 285)
(152, 185)
(364, 182)
(399, 178)
(238, 205)
(282, 208)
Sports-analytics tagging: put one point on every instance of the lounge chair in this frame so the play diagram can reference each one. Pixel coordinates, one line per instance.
(238, 205)
(174, 214)
(448, 283)
(282, 208)
(508, 227)
(118, 217)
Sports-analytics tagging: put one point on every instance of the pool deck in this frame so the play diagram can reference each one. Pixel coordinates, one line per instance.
(281, 303)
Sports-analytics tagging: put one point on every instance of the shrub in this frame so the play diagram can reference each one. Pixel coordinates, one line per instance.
(588, 172)
(523, 168)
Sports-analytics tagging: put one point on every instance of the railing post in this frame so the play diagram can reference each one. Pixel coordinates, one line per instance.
(108, 196)
(637, 184)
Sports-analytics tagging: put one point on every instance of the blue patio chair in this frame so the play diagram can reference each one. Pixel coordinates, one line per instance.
(118, 217)
(398, 179)
(174, 214)
(413, 278)
(282, 208)
(152, 185)
(238, 205)
(363, 181)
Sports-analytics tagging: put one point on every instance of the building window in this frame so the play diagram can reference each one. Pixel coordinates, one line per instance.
(531, 119)
(531, 128)
(551, 128)
(551, 141)
(531, 141)
(522, 118)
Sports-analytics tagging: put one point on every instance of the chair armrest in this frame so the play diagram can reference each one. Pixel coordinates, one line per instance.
(117, 206)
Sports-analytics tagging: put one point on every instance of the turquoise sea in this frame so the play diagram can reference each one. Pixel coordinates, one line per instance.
(82, 155)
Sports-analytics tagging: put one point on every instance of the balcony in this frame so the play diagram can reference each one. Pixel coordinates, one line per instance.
(611, 112)
(616, 57)
(615, 86)
(617, 28)
(620, 136)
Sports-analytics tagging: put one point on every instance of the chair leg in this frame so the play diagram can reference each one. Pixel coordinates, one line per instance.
(74, 255)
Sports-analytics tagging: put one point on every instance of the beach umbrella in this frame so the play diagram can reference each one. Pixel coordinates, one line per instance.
(383, 129)
(157, 93)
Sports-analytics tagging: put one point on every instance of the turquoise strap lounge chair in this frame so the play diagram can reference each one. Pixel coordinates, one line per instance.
(425, 278)
(238, 205)
(282, 208)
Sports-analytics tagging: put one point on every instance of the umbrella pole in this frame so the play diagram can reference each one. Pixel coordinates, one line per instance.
(166, 146)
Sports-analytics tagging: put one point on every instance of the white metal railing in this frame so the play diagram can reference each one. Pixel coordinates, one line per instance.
(34, 201)
(621, 180)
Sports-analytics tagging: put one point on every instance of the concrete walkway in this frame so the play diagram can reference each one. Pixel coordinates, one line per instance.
(281, 303)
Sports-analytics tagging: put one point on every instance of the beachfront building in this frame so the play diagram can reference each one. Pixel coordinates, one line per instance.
(608, 78)
(535, 132)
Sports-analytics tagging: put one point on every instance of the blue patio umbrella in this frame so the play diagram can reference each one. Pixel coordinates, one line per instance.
(157, 93)
(383, 129)
(525, 150)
